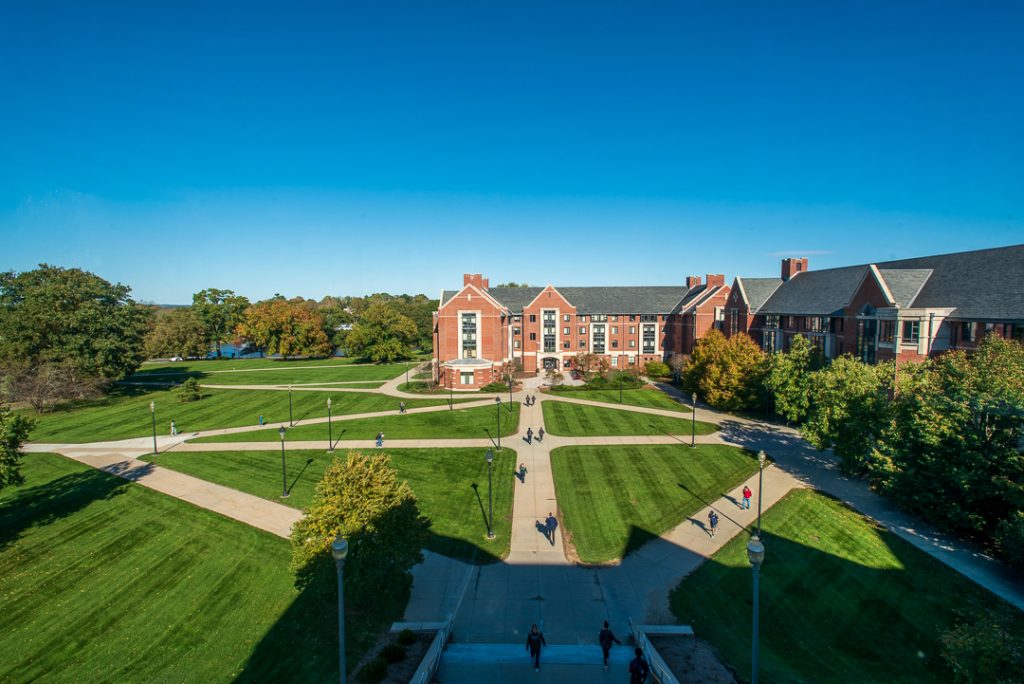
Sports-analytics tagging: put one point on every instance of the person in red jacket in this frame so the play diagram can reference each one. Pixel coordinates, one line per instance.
(746, 496)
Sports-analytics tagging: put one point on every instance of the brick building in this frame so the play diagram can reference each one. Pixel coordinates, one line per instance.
(481, 332)
(908, 309)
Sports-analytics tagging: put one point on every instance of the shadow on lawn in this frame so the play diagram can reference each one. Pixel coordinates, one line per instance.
(50, 501)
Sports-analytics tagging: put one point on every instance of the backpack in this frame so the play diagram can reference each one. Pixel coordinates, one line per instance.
(638, 671)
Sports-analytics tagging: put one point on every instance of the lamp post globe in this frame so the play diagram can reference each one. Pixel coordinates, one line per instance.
(339, 549)
(755, 554)
(284, 467)
(490, 499)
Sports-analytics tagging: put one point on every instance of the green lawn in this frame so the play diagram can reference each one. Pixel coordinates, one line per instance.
(441, 478)
(616, 498)
(647, 397)
(580, 420)
(106, 581)
(265, 372)
(125, 412)
(460, 423)
(842, 599)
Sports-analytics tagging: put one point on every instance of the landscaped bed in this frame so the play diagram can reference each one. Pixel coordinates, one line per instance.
(442, 480)
(613, 499)
(842, 599)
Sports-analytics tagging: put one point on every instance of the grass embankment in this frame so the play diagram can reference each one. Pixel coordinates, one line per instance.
(842, 599)
(124, 412)
(580, 420)
(647, 397)
(616, 498)
(458, 424)
(442, 480)
(104, 580)
(267, 372)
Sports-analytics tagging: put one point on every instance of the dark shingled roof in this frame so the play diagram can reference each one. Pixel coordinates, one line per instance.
(986, 284)
(591, 300)
(758, 290)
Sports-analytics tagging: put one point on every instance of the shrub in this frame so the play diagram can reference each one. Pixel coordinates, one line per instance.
(495, 387)
(657, 369)
(407, 637)
(374, 671)
(190, 391)
(393, 653)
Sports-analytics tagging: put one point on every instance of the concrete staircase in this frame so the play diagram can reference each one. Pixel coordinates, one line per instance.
(506, 663)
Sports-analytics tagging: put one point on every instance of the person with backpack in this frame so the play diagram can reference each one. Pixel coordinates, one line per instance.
(529, 435)
(380, 439)
(606, 639)
(713, 522)
(550, 525)
(540, 435)
(534, 640)
(746, 496)
(638, 668)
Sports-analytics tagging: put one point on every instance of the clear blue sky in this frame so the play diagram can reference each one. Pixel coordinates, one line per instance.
(345, 148)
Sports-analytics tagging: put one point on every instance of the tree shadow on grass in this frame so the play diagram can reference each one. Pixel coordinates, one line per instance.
(53, 500)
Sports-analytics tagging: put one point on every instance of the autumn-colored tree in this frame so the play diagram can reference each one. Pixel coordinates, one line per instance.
(587, 362)
(177, 332)
(279, 326)
(727, 373)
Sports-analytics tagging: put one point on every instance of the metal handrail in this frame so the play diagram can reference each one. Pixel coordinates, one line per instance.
(660, 671)
(432, 658)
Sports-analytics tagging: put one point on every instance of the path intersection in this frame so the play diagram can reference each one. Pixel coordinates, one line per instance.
(536, 583)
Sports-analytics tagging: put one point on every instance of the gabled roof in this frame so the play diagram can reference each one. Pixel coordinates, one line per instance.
(904, 283)
(591, 300)
(758, 290)
(815, 293)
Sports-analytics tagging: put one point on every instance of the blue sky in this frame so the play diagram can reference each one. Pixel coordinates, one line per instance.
(345, 148)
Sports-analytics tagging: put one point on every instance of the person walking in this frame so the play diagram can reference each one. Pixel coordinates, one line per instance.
(638, 668)
(174, 429)
(713, 522)
(529, 435)
(401, 407)
(606, 639)
(534, 640)
(522, 473)
(550, 525)
(746, 496)
(540, 435)
(261, 420)
(380, 439)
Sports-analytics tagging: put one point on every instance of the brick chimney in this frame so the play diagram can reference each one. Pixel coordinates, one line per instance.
(692, 281)
(475, 279)
(792, 266)
(715, 279)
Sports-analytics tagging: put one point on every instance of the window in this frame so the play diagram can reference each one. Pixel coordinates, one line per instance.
(565, 345)
(837, 324)
(818, 324)
(598, 339)
(583, 344)
(615, 344)
(533, 337)
(517, 331)
(768, 341)
(632, 330)
(734, 324)
(615, 361)
(599, 318)
(517, 319)
(968, 331)
(911, 331)
(583, 330)
(771, 321)
(649, 318)
(791, 324)
(632, 359)
(565, 331)
(550, 330)
(582, 318)
(468, 336)
(615, 330)
(648, 338)
(631, 319)
(566, 318)
(533, 318)
(466, 378)
(516, 344)
(615, 319)
(886, 330)
(632, 343)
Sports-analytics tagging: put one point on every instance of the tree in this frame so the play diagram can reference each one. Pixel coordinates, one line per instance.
(848, 410)
(788, 378)
(985, 646)
(57, 316)
(221, 311)
(727, 373)
(190, 390)
(656, 369)
(554, 377)
(677, 362)
(14, 430)
(382, 334)
(585, 362)
(45, 385)
(177, 332)
(287, 328)
(362, 499)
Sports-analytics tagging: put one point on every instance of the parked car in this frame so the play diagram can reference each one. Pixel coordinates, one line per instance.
(177, 358)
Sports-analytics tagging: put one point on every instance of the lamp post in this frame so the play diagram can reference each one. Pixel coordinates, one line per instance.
(291, 423)
(490, 500)
(761, 458)
(497, 404)
(510, 390)
(406, 378)
(451, 399)
(284, 467)
(152, 412)
(693, 422)
(330, 435)
(620, 386)
(339, 549)
(755, 553)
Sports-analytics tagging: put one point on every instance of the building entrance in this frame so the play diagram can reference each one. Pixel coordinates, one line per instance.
(550, 363)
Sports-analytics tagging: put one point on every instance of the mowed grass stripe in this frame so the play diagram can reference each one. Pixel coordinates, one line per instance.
(124, 413)
(470, 423)
(580, 420)
(615, 498)
(646, 397)
(103, 580)
(842, 599)
(266, 372)
(442, 480)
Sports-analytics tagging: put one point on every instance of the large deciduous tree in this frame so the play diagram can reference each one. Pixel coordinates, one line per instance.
(68, 323)
(14, 430)
(220, 311)
(362, 499)
(288, 328)
(382, 333)
(177, 332)
(727, 373)
(788, 378)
